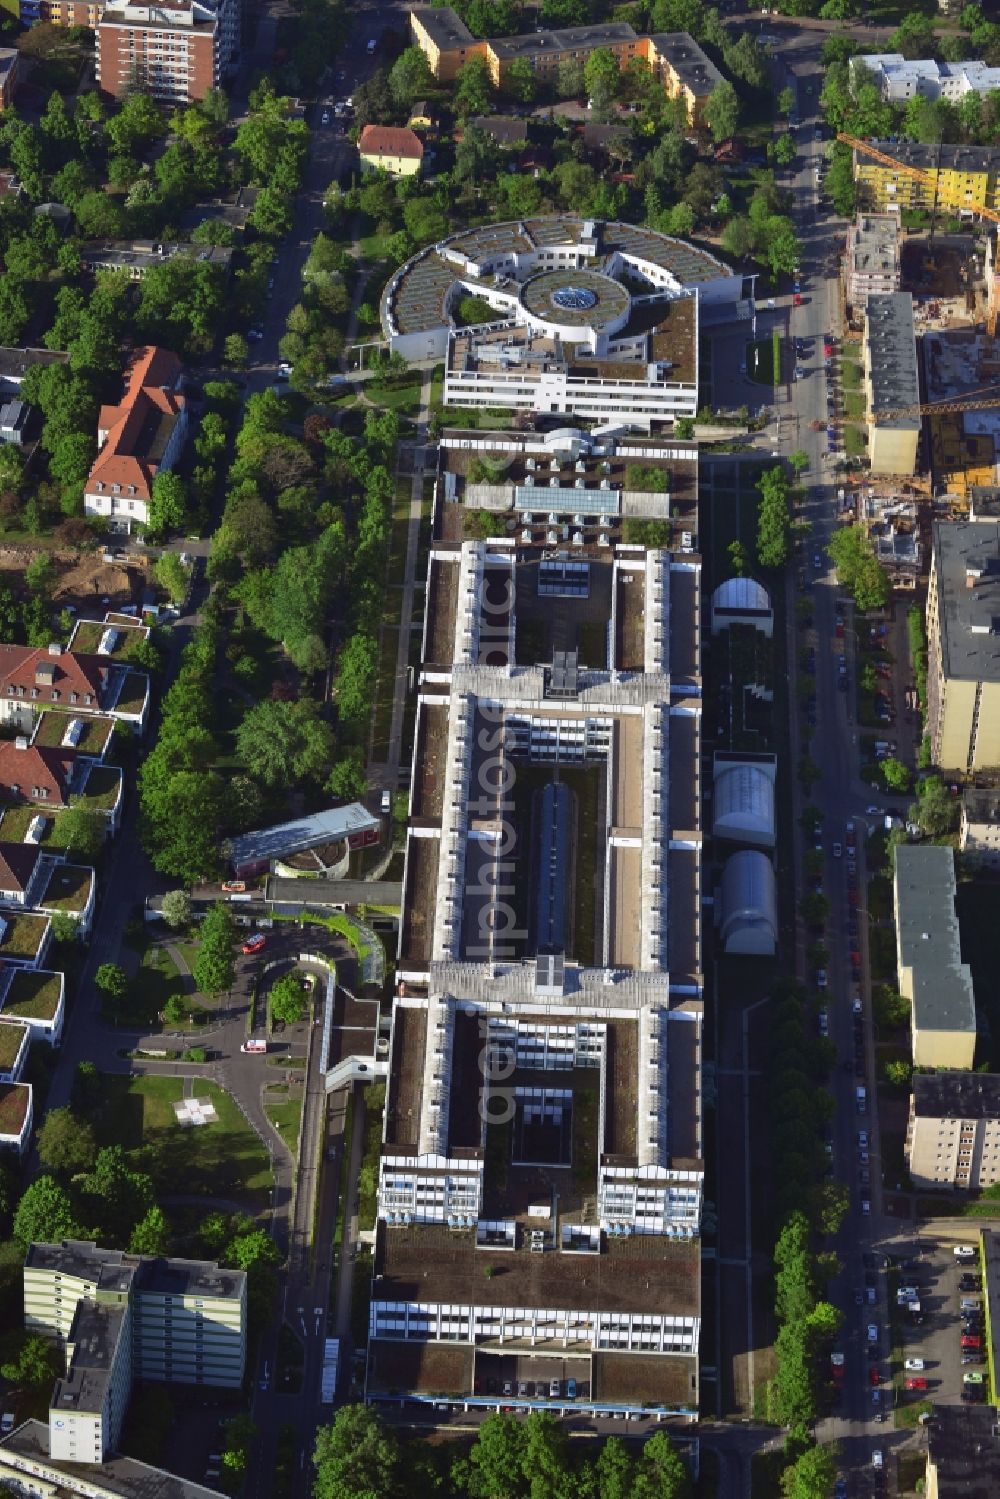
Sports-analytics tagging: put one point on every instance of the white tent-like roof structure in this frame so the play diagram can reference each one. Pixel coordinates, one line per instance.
(743, 808)
(749, 918)
(742, 601)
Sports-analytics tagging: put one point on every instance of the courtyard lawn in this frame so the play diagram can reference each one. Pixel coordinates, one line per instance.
(285, 1114)
(854, 441)
(157, 979)
(764, 360)
(223, 1159)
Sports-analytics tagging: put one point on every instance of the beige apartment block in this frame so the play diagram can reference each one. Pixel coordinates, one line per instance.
(953, 1134)
(979, 830)
(872, 257)
(932, 975)
(891, 383)
(963, 661)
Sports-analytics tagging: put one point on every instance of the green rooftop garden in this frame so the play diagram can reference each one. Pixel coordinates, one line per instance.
(12, 1036)
(32, 995)
(92, 741)
(23, 935)
(88, 633)
(13, 1107)
(69, 888)
(15, 822)
(132, 697)
(102, 789)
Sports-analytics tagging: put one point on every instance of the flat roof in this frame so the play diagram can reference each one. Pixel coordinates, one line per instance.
(962, 1445)
(640, 1273)
(26, 1450)
(929, 943)
(692, 66)
(982, 804)
(930, 157)
(968, 552)
(892, 355)
(874, 244)
(301, 833)
(95, 1335)
(116, 1269)
(568, 39)
(444, 26)
(956, 1095)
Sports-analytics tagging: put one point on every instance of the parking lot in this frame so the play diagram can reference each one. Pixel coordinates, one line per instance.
(935, 1273)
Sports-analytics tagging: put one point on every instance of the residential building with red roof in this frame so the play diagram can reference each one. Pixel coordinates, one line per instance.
(33, 773)
(35, 677)
(137, 438)
(390, 148)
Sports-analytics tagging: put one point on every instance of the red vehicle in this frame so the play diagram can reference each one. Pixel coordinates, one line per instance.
(968, 1341)
(256, 943)
(874, 1376)
(797, 300)
(840, 629)
(852, 897)
(827, 349)
(916, 1384)
(837, 1369)
(233, 887)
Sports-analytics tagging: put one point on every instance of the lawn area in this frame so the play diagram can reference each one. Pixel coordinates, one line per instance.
(285, 1114)
(368, 1174)
(764, 360)
(224, 1159)
(90, 632)
(854, 441)
(157, 979)
(400, 533)
(94, 736)
(402, 395)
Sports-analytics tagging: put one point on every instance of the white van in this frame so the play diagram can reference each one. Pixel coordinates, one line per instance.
(877, 1458)
(861, 1098)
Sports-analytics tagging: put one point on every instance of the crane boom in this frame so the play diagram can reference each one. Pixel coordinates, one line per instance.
(940, 408)
(993, 306)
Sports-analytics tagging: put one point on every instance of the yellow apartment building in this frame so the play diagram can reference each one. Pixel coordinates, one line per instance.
(963, 660)
(932, 975)
(891, 383)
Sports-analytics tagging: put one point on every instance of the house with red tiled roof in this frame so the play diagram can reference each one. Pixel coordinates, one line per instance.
(20, 863)
(137, 438)
(34, 773)
(390, 148)
(36, 677)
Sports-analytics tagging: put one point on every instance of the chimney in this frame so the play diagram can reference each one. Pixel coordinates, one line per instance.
(55, 649)
(21, 742)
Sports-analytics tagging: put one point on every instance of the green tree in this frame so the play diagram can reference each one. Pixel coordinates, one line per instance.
(151, 1235)
(739, 558)
(773, 518)
(520, 82)
(784, 150)
(799, 461)
(858, 569)
(45, 1214)
(176, 909)
(287, 999)
(348, 778)
(173, 576)
(282, 744)
(215, 966)
(175, 1010)
(722, 111)
(84, 832)
(811, 1476)
(112, 981)
(359, 1455)
(786, 101)
(896, 775)
(35, 1367)
(898, 1072)
(569, 79)
(601, 77)
(115, 1195)
(472, 90)
(168, 503)
(660, 1470)
(66, 1142)
(936, 810)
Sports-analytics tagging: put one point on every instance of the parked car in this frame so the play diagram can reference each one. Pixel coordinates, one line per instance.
(916, 1384)
(914, 1364)
(256, 943)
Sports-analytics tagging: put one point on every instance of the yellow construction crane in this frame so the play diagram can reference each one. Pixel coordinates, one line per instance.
(933, 182)
(943, 408)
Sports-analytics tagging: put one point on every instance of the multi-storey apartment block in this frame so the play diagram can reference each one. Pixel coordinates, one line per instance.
(119, 1317)
(891, 384)
(965, 178)
(174, 50)
(963, 668)
(673, 57)
(953, 1134)
(932, 975)
(873, 267)
(592, 319)
(540, 1185)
